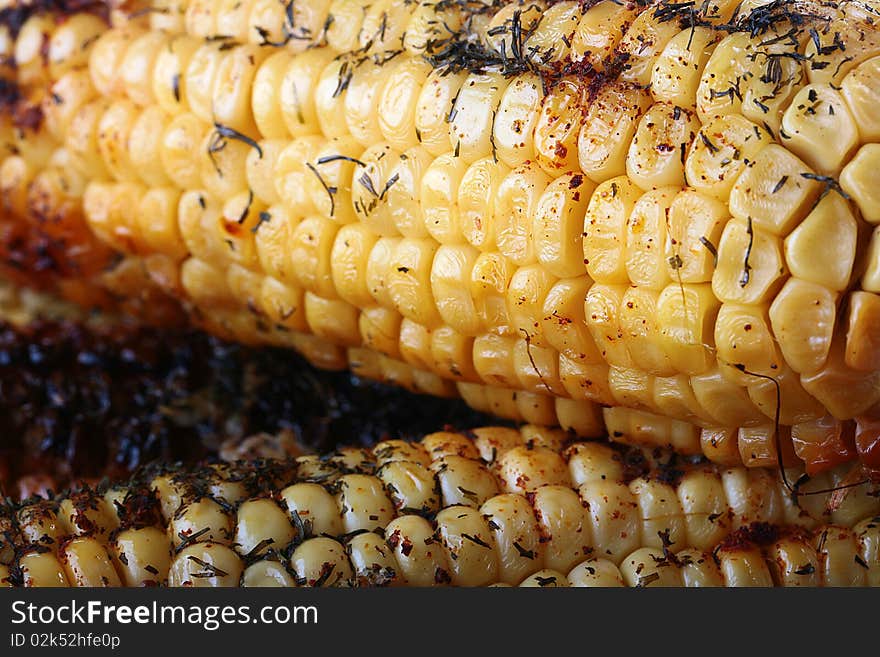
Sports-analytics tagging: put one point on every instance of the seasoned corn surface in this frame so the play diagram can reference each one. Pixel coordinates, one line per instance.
(495, 506)
(665, 209)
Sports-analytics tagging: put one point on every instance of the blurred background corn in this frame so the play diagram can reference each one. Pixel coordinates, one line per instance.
(494, 506)
(657, 221)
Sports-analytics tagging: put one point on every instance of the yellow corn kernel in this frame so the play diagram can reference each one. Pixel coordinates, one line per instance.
(727, 65)
(685, 315)
(773, 191)
(799, 306)
(514, 217)
(750, 265)
(859, 180)
(398, 100)
(721, 152)
(859, 88)
(605, 235)
(678, 69)
(646, 235)
(434, 109)
(608, 128)
(809, 253)
(639, 315)
(819, 128)
(551, 40)
(473, 114)
(658, 150)
(599, 32)
(513, 131)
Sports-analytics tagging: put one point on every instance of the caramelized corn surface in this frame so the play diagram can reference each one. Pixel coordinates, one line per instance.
(656, 219)
(494, 506)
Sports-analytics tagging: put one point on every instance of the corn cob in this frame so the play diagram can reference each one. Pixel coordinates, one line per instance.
(608, 217)
(494, 506)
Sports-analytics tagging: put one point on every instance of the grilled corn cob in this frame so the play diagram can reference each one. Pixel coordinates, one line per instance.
(655, 219)
(495, 506)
